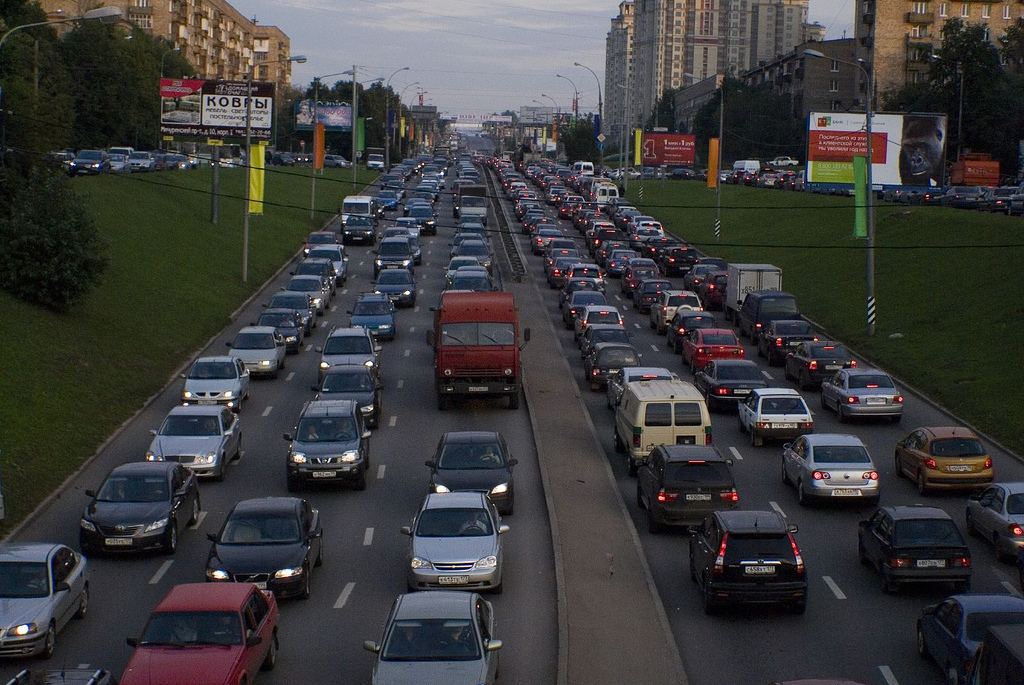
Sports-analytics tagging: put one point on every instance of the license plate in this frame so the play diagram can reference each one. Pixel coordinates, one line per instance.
(961, 467)
(833, 367)
(783, 425)
(324, 474)
(117, 542)
(261, 585)
(478, 388)
(875, 400)
(698, 497)
(846, 492)
(759, 570)
(452, 580)
(207, 401)
(931, 563)
(741, 391)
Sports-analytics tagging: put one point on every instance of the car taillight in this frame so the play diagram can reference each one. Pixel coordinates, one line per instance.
(757, 325)
(807, 424)
(852, 400)
(702, 350)
(899, 562)
(821, 475)
(763, 425)
(1015, 529)
(853, 363)
(898, 399)
(961, 562)
(636, 440)
(869, 475)
(729, 495)
(930, 464)
(778, 342)
(988, 463)
(720, 559)
(594, 372)
(723, 391)
(667, 496)
(813, 366)
(796, 553)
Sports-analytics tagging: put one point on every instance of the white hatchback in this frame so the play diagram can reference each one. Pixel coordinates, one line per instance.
(774, 414)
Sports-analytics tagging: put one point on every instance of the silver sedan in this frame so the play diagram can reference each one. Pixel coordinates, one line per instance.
(861, 392)
(201, 438)
(456, 543)
(830, 466)
(997, 515)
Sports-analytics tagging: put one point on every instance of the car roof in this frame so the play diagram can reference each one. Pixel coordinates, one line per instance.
(453, 500)
(483, 437)
(989, 602)
(268, 310)
(692, 453)
(205, 597)
(776, 392)
(142, 468)
(375, 297)
(267, 504)
(731, 362)
(816, 439)
(198, 409)
(752, 522)
(909, 512)
(27, 551)
(436, 604)
(348, 330)
(225, 358)
(264, 329)
(949, 432)
(328, 408)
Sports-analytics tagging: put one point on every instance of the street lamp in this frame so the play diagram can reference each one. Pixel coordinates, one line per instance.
(600, 113)
(624, 136)
(106, 15)
(575, 97)
(387, 119)
(870, 205)
(301, 59)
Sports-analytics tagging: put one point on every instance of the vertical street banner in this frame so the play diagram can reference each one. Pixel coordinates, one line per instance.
(597, 125)
(860, 196)
(638, 139)
(713, 163)
(255, 159)
(318, 147)
(361, 134)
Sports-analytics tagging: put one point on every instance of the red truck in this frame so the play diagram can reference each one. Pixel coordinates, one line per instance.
(476, 347)
(974, 169)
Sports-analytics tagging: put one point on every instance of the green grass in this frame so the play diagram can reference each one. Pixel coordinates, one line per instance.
(950, 282)
(174, 279)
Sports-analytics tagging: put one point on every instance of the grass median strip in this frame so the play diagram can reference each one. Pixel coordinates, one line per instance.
(173, 282)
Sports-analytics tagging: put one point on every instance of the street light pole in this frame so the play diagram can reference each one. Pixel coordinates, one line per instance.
(355, 123)
(387, 120)
(718, 166)
(106, 15)
(575, 97)
(600, 113)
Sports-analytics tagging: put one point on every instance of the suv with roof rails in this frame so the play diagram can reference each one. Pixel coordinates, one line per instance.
(683, 484)
(748, 557)
(329, 443)
(348, 345)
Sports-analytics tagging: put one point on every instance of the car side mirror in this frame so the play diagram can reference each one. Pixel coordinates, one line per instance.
(526, 335)
(253, 640)
(787, 445)
(366, 435)
(181, 375)
(292, 273)
(371, 646)
(513, 462)
(132, 641)
(212, 537)
(431, 463)
(377, 348)
(62, 586)
(493, 645)
(319, 349)
(227, 343)
(152, 431)
(405, 530)
(287, 436)
(314, 388)
(503, 528)
(975, 497)
(793, 528)
(90, 493)
(728, 462)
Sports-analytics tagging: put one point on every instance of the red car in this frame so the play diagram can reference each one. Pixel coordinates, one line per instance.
(711, 290)
(206, 634)
(701, 345)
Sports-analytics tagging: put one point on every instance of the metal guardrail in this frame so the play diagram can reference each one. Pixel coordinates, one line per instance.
(517, 266)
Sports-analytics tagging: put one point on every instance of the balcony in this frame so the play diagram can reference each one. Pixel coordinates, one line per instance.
(919, 43)
(920, 17)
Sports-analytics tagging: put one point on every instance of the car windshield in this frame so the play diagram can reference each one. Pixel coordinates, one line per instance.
(254, 528)
(277, 320)
(359, 219)
(304, 285)
(742, 547)
(783, 405)
(779, 306)
(1015, 504)
(874, 381)
(212, 371)
(927, 533)
(90, 154)
(588, 298)
(739, 372)
(326, 429)
(470, 456)
(133, 489)
(421, 212)
(482, 333)
(957, 447)
(840, 454)
(609, 335)
(719, 339)
(321, 239)
(602, 316)
(191, 425)
(289, 302)
(24, 579)
(444, 523)
(253, 341)
(371, 309)
(793, 328)
(617, 356)
(476, 283)
(980, 621)
(474, 201)
(684, 473)
(473, 248)
(180, 628)
(347, 344)
(326, 253)
(433, 639)
(394, 277)
(348, 382)
(456, 262)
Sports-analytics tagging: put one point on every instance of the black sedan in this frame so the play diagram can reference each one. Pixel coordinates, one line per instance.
(354, 382)
(811, 362)
(141, 505)
(288, 325)
(726, 381)
(399, 285)
(474, 460)
(605, 357)
(271, 541)
(776, 339)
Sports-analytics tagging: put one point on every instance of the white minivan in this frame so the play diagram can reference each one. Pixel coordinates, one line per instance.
(746, 166)
(583, 169)
(659, 412)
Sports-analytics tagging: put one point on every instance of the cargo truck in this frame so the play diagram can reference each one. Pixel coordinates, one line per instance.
(476, 341)
(375, 158)
(746, 278)
(471, 202)
(974, 169)
(1000, 658)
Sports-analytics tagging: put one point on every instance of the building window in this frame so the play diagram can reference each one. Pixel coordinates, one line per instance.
(837, 105)
(920, 7)
(833, 86)
(943, 9)
(965, 10)
(1006, 11)
(986, 11)
(835, 66)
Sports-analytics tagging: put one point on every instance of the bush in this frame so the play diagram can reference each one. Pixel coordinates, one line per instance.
(50, 251)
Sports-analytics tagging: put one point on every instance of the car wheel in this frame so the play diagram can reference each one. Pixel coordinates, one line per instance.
(801, 498)
(304, 592)
(360, 482)
(785, 372)
(922, 650)
(633, 467)
(707, 601)
(293, 484)
(219, 476)
(755, 439)
(442, 402)
(889, 586)
(194, 516)
(639, 496)
(821, 399)
(805, 381)
(281, 365)
(898, 464)
(862, 555)
(785, 475)
(513, 400)
(962, 586)
(922, 483)
(1001, 554)
(620, 448)
(320, 554)
(49, 642)
(799, 607)
(952, 676)
(840, 414)
(271, 659)
(83, 603)
(171, 544)
(653, 526)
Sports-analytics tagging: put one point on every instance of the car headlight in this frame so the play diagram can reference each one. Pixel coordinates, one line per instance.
(297, 458)
(499, 489)
(367, 409)
(324, 365)
(264, 362)
(152, 456)
(349, 456)
(207, 458)
(406, 262)
(419, 563)
(440, 488)
(228, 394)
(291, 338)
(217, 574)
(378, 262)
(155, 525)
(368, 362)
(24, 629)
(87, 525)
(486, 562)
(288, 572)
(187, 394)
(407, 292)
(317, 301)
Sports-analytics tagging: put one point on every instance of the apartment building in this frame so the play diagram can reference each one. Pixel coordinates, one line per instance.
(211, 34)
(902, 34)
(618, 66)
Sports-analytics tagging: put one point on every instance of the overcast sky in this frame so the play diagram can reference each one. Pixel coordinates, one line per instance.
(470, 56)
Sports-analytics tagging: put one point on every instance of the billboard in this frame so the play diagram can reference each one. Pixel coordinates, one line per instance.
(335, 116)
(483, 119)
(668, 149)
(195, 108)
(906, 149)
(536, 116)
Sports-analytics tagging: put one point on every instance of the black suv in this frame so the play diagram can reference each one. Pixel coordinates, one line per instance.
(776, 339)
(683, 484)
(359, 229)
(393, 253)
(915, 544)
(330, 444)
(677, 261)
(740, 557)
(812, 362)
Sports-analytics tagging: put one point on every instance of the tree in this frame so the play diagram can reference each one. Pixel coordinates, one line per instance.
(1012, 43)
(578, 141)
(50, 249)
(664, 114)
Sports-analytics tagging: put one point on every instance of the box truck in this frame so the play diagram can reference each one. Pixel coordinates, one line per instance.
(746, 278)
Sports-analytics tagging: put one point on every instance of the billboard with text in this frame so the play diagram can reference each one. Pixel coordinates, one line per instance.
(195, 108)
(906, 149)
(335, 116)
(668, 149)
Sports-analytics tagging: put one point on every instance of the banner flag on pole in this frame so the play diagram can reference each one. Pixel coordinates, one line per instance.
(318, 147)
(255, 160)
(860, 197)
(713, 163)
(638, 141)
(361, 135)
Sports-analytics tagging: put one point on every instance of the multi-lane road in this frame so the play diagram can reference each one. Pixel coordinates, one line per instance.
(851, 628)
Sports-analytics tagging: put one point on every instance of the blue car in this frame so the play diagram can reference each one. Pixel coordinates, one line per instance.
(387, 200)
(375, 313)
(397, 284)
(949, 632)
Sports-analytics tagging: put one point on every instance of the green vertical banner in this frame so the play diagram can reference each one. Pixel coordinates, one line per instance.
(860, 197)
(361, 135)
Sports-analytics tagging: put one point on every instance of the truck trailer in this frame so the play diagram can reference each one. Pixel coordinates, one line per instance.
(746, 278)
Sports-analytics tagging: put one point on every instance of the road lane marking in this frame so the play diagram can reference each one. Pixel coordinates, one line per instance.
(401, 382)
(368, 537)
(343, 597)
(776, 507)
(199, 521)
(164, 567)
(344, 291)
(361, 262)
(637, 325)
(406, 353)
(1009, 586)
(619, 298)
(334, 307)
(391, 421)
(412, 329)
(890, 679)
(833, 587)
(416, 308)
(768, 375)
(654, 347)
(290, 376)
(309, 347)
(421, 290)
(266, 412)
(380, 471)
(736, 454)
(82, 666)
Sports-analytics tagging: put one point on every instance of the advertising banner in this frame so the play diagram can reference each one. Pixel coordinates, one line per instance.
(906, 149)
(193, 108)
(335, 116)
(484, 119)
(669, 149)
(713, 163)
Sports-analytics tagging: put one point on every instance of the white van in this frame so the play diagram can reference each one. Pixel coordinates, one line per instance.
(583, 169)
(746, 166)
(359, 205)
(603, 192)
(659, 412)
